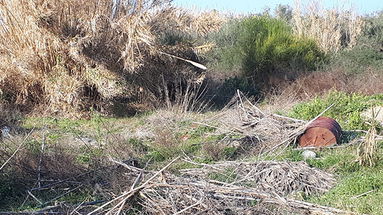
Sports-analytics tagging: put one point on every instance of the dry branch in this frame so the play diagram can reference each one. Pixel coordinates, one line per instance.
(194, 193)
(15, 152)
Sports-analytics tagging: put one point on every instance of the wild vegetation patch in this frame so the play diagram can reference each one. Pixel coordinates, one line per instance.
(265, 50)
(96, 60)
(69, 58)
(346, 109)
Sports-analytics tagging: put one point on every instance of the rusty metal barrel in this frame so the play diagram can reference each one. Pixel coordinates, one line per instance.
(323, 131)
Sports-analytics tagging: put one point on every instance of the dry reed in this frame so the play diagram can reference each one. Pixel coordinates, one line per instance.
(368, 150)
(66, 57)
(333, 29)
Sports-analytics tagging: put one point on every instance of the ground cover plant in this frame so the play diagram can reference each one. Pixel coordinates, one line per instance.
(347, 108)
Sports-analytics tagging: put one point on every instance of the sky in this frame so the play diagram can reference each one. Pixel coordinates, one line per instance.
(256, 6)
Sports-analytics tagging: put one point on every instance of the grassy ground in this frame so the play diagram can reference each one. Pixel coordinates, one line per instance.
(71, 147)
(149, 140)
(358, 189)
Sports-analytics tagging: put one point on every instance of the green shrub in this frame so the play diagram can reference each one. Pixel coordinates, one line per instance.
(264, 47)
(356, 60)
(268, 44)
(346, 110)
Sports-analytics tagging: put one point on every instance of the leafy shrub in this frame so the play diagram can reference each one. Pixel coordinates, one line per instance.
(226, 56)
(264, 47)
(268, 43)
(356, 60)
(346, 110)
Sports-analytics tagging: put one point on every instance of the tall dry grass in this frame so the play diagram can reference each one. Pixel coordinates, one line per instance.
(71, 56)
(333, 29)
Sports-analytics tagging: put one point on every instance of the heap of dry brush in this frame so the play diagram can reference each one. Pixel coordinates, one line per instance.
(69, 57)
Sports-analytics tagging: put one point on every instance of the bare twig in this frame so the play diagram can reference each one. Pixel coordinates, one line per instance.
(64, 194)
(198, 65)
(18, 148)
(362, 194)
(35, 198)
(127, 195)
(40, 161)
(187, 208)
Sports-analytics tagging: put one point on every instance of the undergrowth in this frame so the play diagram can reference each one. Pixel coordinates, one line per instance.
(358, 189)
(264, 47)
(346, 109)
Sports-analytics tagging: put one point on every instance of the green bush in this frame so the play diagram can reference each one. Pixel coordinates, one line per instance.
(346, 110)
(225, 56)
(263, 47)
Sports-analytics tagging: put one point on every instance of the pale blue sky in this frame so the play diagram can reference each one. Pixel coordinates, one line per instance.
(251, 6)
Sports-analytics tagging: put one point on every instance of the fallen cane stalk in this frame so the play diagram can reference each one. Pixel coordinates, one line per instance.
(127, 195)
(18, 148)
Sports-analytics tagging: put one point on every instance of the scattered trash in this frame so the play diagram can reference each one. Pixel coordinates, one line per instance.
(6, 132)
(307, 154)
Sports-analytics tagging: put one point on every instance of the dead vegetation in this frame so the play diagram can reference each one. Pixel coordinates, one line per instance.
(110, 174)
(322, 82)
(333, 29)
(261, 131)
(282, 178)
(69, 57)
(160, 192)
(168, 194)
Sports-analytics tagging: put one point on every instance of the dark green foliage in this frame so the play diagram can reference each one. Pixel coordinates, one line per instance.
(226, 55)
(11, 188)
(264, 47)
(269, 47)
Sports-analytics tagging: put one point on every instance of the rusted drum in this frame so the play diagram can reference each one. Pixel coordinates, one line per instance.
(323, 131)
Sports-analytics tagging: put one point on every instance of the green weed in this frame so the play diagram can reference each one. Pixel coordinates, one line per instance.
(347, 108)
(361, 191)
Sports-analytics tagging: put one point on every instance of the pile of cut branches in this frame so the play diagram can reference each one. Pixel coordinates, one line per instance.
(164, 193)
